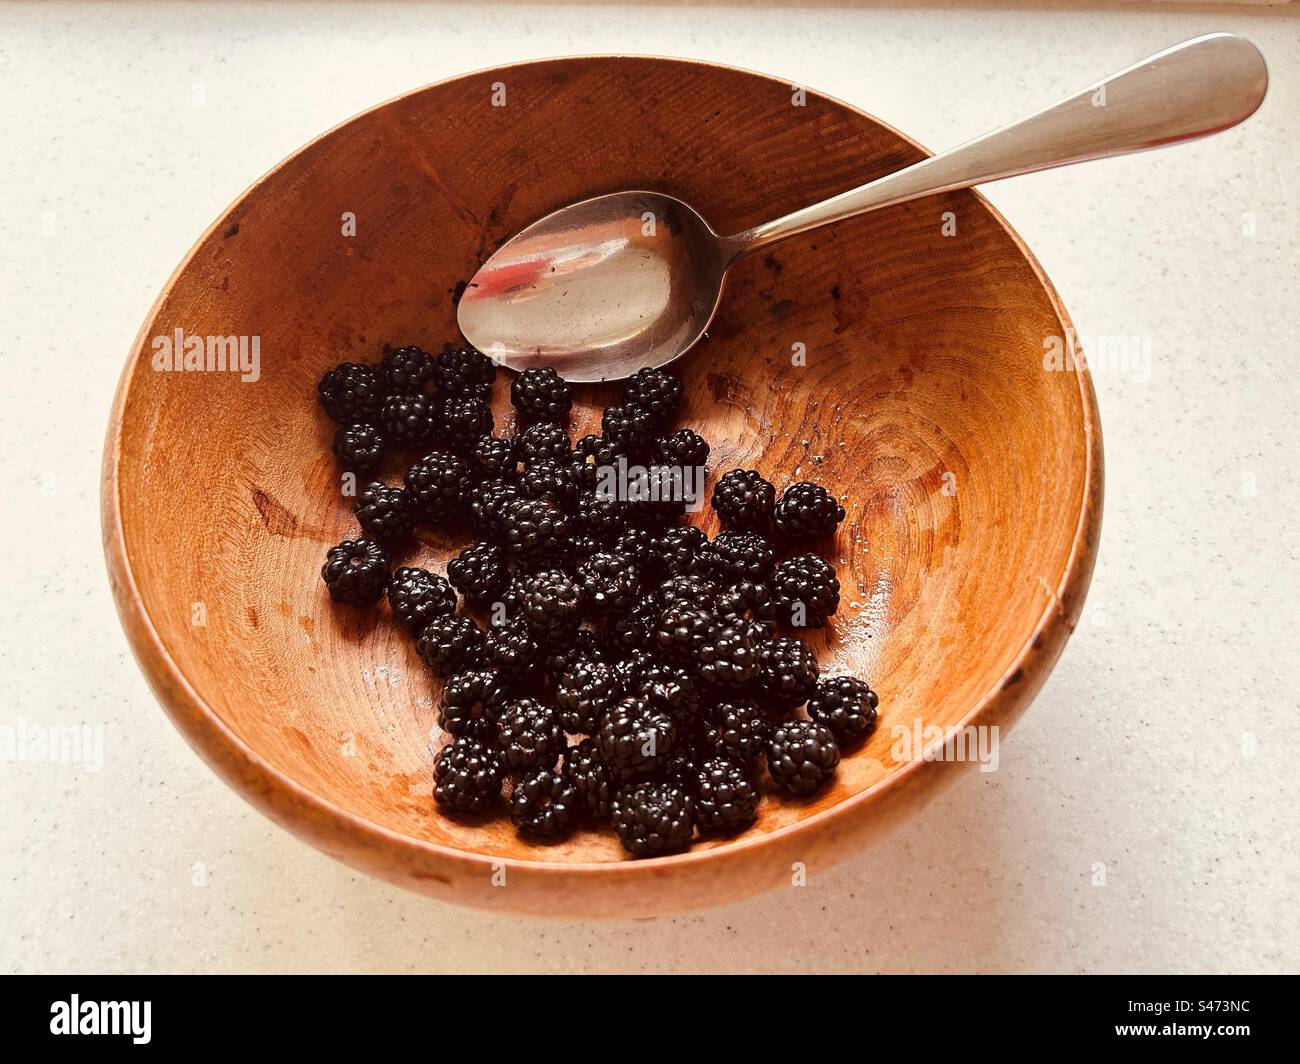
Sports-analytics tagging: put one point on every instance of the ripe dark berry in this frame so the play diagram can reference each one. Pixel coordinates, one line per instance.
(684, 449)
(744, 499)
(738, 729)
(787, 672)
(359, 448)
(635, 544)
(669, 688)
(438, 483)
(472, 702)
(542, 440)
(529, 735)
(464, 371)
(631, 628)
(807, 511)
(801, 756)
(534, 529)
(652, 819)
(610, 582)
(493, 456)
(597, 451)
(488, 502)
(513, 647)
(585, 692)
(409, 420)
(697, 591)
(727, 657)
(479, 572)
(602, 517)
(549, 477)
(581, 647)
(464, 420)
(675, 550)
(749, 601)
(592, 778)
(356, 572)
(656, 391)
(545, 804)
(467, 776)
(629, 429)
(351, 393)
(726, 799)
(541, 395)
(406, 370)
(805, 591)
(449, 644)
(846, 705)
(682, 629)
(735, 555)
(551, 604)
(385, 514)
(634, 739)
(417, 596)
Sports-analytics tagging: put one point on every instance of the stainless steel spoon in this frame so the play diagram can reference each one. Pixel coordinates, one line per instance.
(618, 282)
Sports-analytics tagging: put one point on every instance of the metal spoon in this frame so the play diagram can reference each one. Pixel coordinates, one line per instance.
(619, 282)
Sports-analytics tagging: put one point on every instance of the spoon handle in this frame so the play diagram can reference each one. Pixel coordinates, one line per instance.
(1191, 90)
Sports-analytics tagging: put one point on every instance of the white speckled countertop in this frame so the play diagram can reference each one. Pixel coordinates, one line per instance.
(1164, 746)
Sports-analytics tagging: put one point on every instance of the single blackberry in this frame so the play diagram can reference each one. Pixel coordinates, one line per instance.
(632, 667)
(541, 395)
(801, 756)
(450, 644)
(635, 544)
(582, 647)
(684, 449)
(738, 729)
(464, 371)
(549, 477)
(652, 819)
(585, 692)
(417, 596)
(669, 688)
(351, 393)
(464, 420)
(727, 657)
(602, 517)
(542, 440)
(534, 529)
(660, 501)
(529, 735)
(744, 499)
(409, 420)
(598, 451)
(472, 702)
(675, 550)
(634, 738)
(406, 370)
(682, 630)
(735, 555)
(751, 602)
(488, 502)
(359, 448)
(356, 571)
(592, 778)
(385, 514)
(846, 705)
(656, 391)
(438, 483)
(726, 799)
(807, 511)
(629, 429)
(479, 572)
(545, 804)
(513, 647)
(467, 776)
(787, 672)
(631, 628)
(691, 590)
(552, 604)
(805, 591)
(610, 581)
(493, 456)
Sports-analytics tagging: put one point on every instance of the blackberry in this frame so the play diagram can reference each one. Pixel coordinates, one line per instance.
(464, 371)
(545, 804)
(472, 702)
(656, 391)
(635, 544)
(548, 477)
(735, 555)
(653, 818)
(805, 591)
(697, 591)
(726, 799)
(661, 502)
(552, 604)
(610, 581)
(385, 514)
(359, 448)
(601, 517)
(467, 776)
(541, 395)
(591, 777)
(493, 456)
(406, 370)
(684, 449)
(669, 688)
(675, 550)
(529, 735)
(738, 729)
(534, 529)
(449, 644)
(634, 739)
(682, 630)
(727, 657)
(542, 440)
(598, 451)
(787, 672)
(631, 628)
(584, 694)
(512, 647)
(749, 601)
(629, 429)
(465, 419)
(479, 573)
(801, 756)
(488, 502)
(846, 705)
(351, 393)
(582, 647)
(409, 420)
(438, 483)
(744, 499)
(356, 571)
(417, 596)
(632, 667)
(807, 511)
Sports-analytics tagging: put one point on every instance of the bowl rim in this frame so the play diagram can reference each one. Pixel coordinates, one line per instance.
(265, 786)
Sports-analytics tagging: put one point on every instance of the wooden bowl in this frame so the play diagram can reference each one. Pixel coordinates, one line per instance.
(971, 473)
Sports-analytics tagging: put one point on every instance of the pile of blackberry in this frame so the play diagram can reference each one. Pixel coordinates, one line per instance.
(603, 661)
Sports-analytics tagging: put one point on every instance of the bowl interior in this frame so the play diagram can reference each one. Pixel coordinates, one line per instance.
(897, 358)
